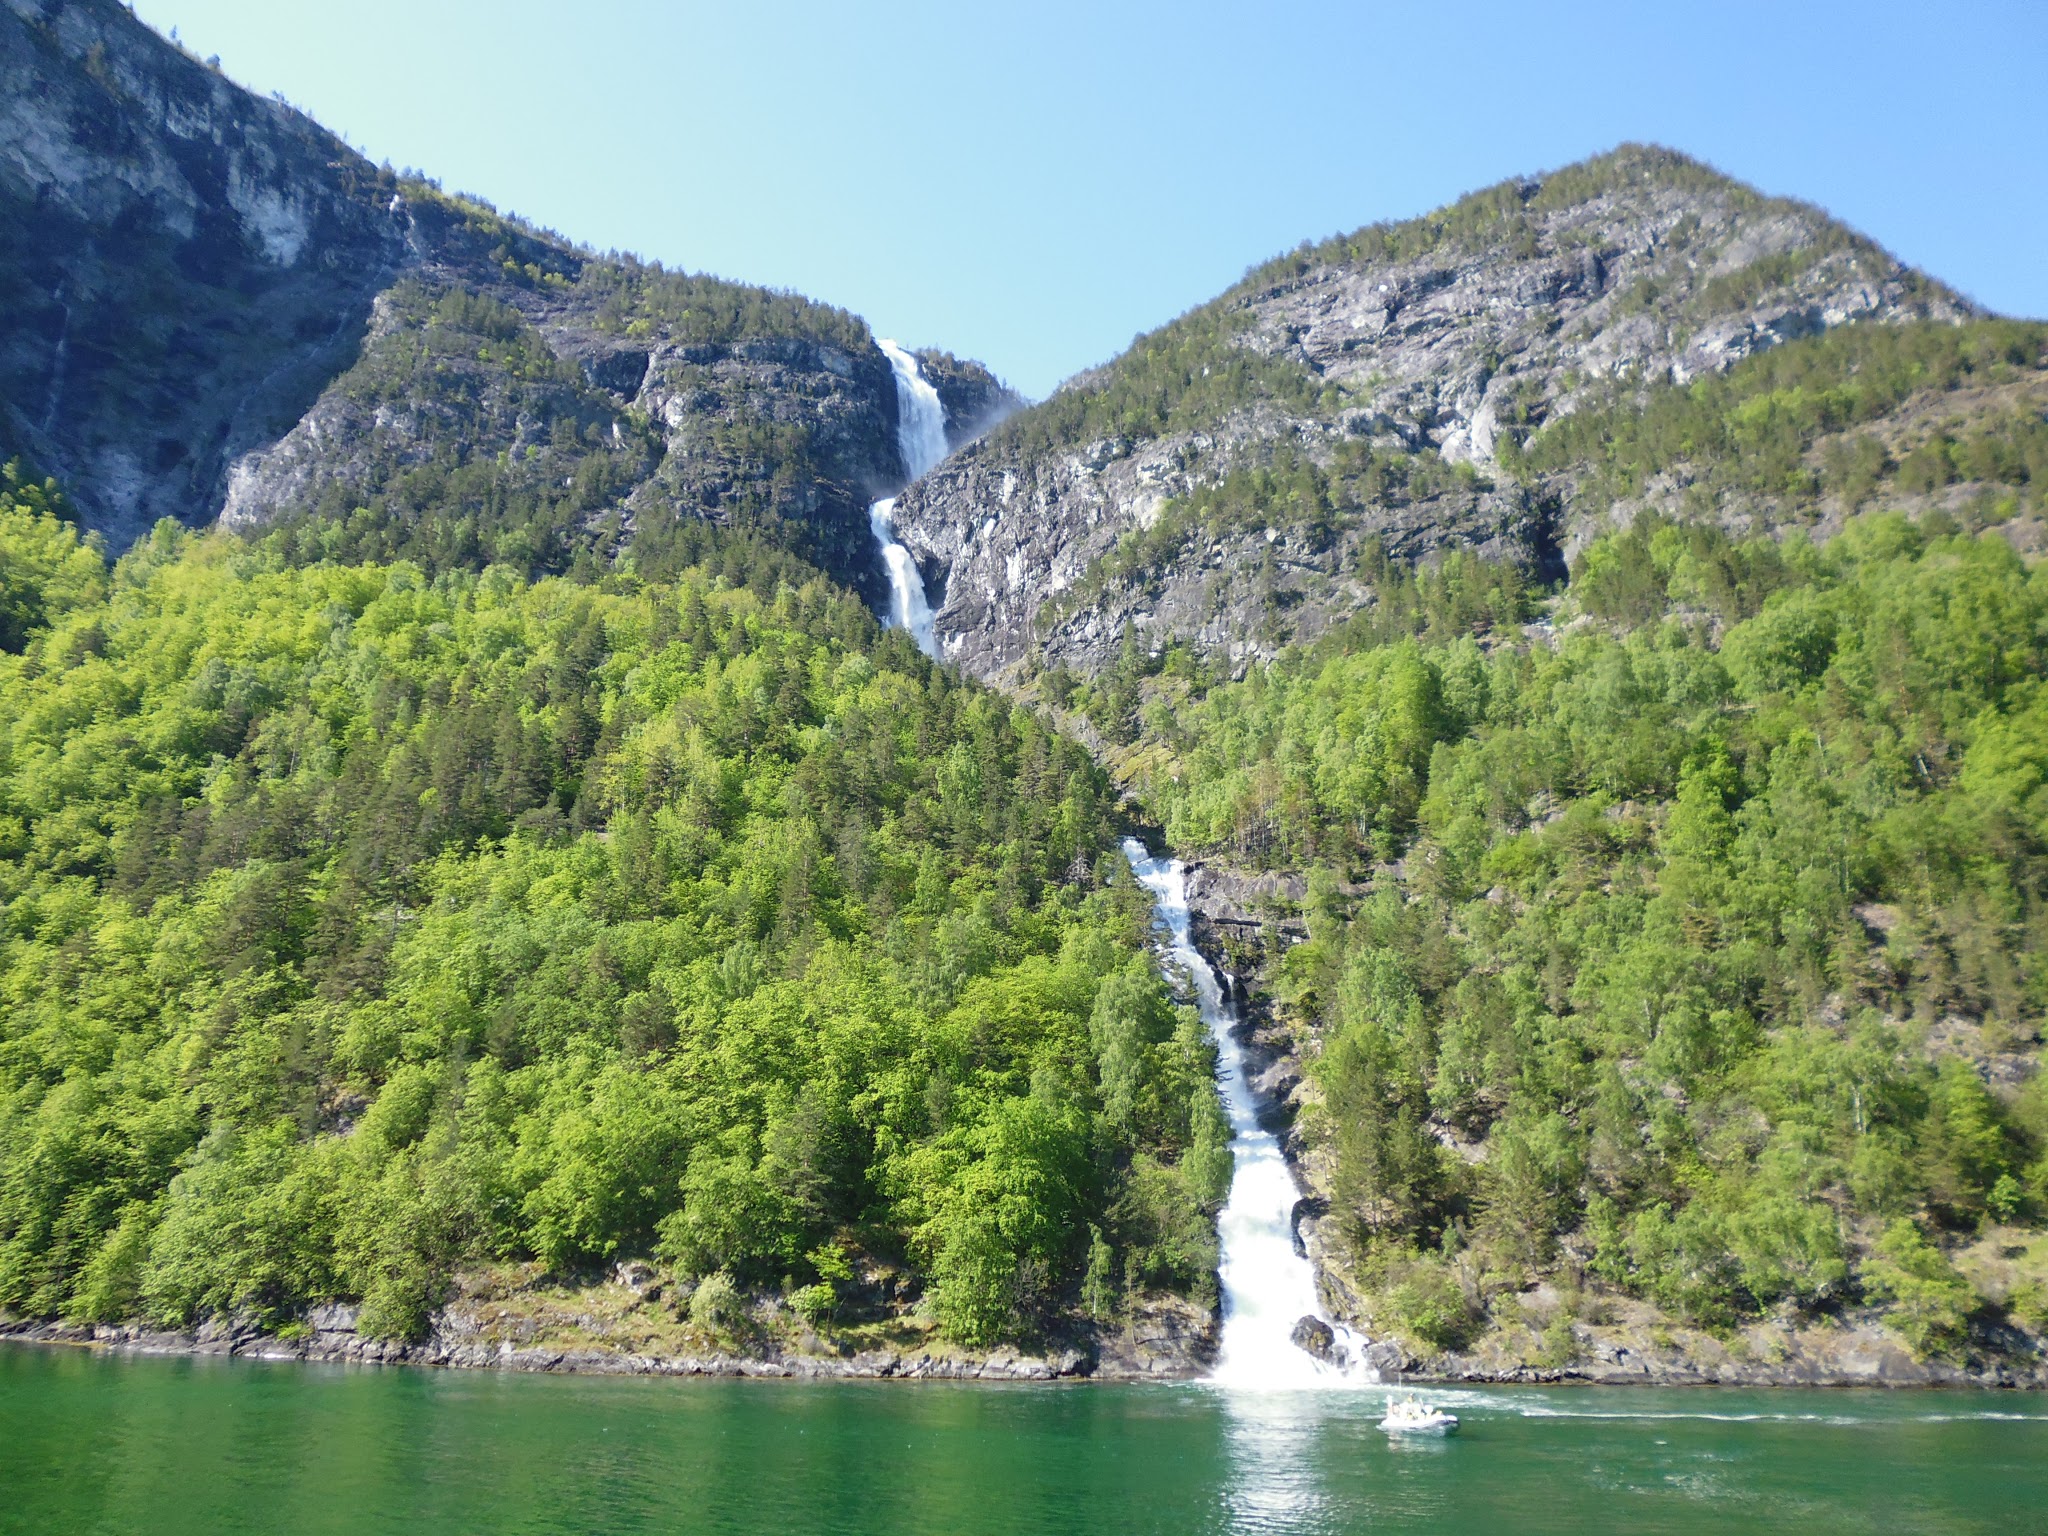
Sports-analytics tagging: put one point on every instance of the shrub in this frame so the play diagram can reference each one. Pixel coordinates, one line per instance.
(718, 1307)
(813, 1303)
(1423, 1300)
(1930, 1303)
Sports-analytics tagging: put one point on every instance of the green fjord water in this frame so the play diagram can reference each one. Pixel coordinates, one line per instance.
(96, 1443)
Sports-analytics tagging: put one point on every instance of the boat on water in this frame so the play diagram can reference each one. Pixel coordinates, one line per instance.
(1410, 1417)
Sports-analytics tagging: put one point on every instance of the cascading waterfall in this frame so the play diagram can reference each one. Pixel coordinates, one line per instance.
(1267, 1286)
(920, 417)
(921, 438)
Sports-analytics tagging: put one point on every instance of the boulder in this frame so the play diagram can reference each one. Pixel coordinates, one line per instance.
(1315, 1337)
(1387, 1360)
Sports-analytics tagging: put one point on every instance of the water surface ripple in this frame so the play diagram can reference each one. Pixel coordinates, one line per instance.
(94, 1443)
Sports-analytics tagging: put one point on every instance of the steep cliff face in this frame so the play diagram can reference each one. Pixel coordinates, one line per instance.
(975, 399)
(514, 399)
(1396, 368)
(216, 307)
(182, 265)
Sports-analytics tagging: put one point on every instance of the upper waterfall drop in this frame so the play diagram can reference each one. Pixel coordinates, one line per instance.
(920, 415)
(1268, 1285)
(921, 440)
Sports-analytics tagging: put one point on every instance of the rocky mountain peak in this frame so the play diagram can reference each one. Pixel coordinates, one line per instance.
(182, 264)
(1410, 356)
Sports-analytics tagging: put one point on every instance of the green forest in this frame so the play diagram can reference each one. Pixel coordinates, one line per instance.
(1660, 943)
(493, 863)
(360, 922)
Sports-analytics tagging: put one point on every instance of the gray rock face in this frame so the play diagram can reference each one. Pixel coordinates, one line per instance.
(1165, 1338)
(1429, 338)
(786, 432)
(975, 399)
(182, 265)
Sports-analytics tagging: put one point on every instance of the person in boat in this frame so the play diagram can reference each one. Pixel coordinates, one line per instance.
(1408, 1416)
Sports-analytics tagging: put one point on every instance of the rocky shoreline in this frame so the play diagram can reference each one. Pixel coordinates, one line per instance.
(610, 1328)
(343, 1346)
(1856, 1356)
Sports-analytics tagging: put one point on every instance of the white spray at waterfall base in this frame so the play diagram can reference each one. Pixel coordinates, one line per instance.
(921, 439)
(1268, 1286)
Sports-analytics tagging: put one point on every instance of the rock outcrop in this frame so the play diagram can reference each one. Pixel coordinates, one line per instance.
(1164, 1338)
(1316, 1338)
(975, 399)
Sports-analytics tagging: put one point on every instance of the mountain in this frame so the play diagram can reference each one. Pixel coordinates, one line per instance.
(1394, 393)
(1589, 641)
(184, 265)
(221, 309)
(479, 883)
(581, 899)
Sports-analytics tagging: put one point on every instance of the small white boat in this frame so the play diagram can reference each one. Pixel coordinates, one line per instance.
(1410, 1417)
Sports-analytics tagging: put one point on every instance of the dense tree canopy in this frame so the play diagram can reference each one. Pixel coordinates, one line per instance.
(356, 924)
(1662, 913)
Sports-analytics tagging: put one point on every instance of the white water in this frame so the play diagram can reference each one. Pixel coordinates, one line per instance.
(1267, 1286)
(921, 439)
(920, 417)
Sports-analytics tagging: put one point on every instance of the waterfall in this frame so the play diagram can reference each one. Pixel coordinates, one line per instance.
(1267, 1286)
(921, 439)
(920, 417)
(908, 608)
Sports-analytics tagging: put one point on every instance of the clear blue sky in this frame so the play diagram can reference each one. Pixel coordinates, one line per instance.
(1033, 183)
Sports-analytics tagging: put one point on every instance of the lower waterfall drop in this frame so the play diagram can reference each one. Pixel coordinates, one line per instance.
(908, 607)
(921, 440)
(1268, 1286)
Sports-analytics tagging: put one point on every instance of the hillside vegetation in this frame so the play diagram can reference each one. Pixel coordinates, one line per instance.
(1692, 945)
(1951, 413)
(358, 924)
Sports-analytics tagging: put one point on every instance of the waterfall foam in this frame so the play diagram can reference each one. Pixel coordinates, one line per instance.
(1267, 1285)
(921, 440)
